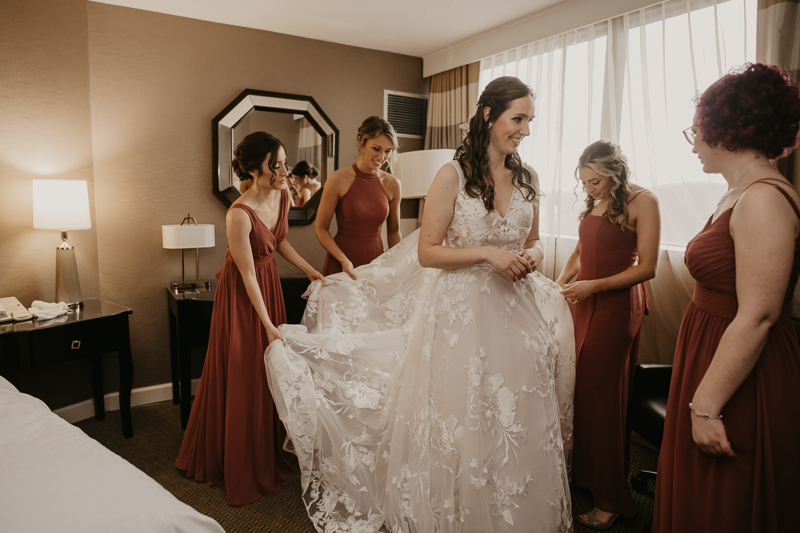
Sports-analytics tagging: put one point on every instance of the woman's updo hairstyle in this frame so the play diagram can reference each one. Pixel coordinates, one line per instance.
(755, 107)
(304, 168)
(251, 153)
(472, 154)
(372, 128)
(607, 159)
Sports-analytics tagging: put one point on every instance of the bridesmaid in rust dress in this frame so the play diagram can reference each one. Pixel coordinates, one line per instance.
(729, 459)
(363, 197)
(617, 252)
(234, 436)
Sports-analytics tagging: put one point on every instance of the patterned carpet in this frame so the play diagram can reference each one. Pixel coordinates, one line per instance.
(157, 439)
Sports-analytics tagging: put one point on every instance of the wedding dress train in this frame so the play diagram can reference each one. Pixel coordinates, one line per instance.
(427, 400)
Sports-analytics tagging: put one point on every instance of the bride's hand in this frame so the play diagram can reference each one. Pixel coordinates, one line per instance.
(511, 264)
(534, 257)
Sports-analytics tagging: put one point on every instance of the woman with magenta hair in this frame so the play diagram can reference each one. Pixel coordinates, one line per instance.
(729, 458)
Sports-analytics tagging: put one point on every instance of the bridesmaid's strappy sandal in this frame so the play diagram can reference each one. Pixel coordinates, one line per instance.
(596, 523)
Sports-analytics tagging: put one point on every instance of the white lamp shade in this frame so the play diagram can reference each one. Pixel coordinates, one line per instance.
(178, 237)
(416, 170)
(61, 205)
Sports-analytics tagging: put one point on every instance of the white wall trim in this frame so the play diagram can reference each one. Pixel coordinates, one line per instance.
(554, 20)
(142, 396)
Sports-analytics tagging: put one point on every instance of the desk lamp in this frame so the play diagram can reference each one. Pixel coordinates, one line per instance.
(186, 235)
(63, 205)
(416, 171)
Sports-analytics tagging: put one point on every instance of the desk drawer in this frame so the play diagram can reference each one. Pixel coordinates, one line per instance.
(67, 343)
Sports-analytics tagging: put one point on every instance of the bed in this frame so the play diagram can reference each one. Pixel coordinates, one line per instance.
(55, 478)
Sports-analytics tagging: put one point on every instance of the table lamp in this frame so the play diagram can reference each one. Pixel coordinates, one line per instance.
(416, 171)
(186, 235)
(63, 205)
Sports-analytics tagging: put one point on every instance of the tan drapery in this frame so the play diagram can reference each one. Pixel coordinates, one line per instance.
(778, 43)
(452, 101)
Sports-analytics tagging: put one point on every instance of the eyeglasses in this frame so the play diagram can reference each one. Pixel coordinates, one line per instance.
(690, 134)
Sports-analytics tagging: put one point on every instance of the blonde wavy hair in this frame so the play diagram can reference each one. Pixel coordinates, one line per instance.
(372, 128)
(607, 159)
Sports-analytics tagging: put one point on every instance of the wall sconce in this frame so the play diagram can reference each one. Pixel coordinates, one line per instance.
(186, 235)
(416, 171)
(63, 205)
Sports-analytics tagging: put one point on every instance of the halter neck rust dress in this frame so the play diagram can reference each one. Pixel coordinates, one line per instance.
(607, 326)
(759, 489)
(234, 436)
(359, 216)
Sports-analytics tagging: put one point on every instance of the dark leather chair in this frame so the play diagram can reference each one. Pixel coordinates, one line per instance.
(648, 410)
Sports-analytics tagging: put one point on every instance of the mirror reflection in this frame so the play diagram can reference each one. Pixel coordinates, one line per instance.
(304, 182)
(309, 137)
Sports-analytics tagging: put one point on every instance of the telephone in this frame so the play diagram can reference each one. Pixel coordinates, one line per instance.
(11, 309)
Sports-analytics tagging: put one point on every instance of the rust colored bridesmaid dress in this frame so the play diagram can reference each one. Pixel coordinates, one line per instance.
(234, 436)
(607, 326)
(359, 216)
(759, 489)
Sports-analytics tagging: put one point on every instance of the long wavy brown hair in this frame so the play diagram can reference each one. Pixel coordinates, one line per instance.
(473, 155)
(607, 159)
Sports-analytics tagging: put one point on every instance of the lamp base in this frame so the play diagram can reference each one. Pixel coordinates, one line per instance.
(68, 287)
(197, 285)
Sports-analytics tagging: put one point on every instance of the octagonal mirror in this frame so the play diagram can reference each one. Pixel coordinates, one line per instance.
(304, 129)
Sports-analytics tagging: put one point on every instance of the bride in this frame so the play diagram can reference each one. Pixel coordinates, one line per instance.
(434, 393)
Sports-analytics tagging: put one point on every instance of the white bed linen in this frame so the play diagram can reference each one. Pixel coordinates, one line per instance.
(54, 478)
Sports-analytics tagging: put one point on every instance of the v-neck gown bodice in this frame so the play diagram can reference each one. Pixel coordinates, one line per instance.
(234, 436)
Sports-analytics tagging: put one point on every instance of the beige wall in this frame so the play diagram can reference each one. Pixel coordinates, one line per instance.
(124, 98)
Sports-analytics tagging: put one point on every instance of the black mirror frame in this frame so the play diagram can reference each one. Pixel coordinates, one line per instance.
(249, 100)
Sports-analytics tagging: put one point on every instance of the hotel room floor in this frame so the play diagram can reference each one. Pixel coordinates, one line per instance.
(157, 439)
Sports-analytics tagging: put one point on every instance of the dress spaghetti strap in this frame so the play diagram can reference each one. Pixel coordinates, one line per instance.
(780, 189)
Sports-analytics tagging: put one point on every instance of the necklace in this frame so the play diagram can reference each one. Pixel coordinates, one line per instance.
(740, 179)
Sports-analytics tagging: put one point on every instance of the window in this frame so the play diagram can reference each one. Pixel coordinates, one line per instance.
(631, 80)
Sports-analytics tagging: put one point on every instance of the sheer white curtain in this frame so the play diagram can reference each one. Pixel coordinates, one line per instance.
(309, 145)
(631, 80)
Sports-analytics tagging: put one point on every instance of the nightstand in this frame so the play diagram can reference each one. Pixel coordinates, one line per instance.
(190, 324)
(97, 328)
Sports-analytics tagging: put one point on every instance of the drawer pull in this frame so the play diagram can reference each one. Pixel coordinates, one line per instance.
(76, 345)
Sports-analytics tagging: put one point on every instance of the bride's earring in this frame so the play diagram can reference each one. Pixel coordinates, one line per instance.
(716, 149)
(490, 125)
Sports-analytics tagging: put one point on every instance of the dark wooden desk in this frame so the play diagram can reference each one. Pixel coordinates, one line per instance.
(190, 323)
(99, 327)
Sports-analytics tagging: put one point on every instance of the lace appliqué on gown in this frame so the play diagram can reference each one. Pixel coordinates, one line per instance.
(427, 400)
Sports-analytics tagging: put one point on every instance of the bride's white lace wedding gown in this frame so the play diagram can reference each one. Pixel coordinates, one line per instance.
(432, 400)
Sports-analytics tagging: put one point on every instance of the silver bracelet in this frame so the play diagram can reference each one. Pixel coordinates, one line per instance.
(706, 417)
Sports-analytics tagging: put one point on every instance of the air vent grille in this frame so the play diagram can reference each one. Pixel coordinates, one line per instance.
(407, 113)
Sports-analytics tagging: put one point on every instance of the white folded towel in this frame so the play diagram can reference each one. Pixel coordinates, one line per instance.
(45, 310)
(62, 318)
